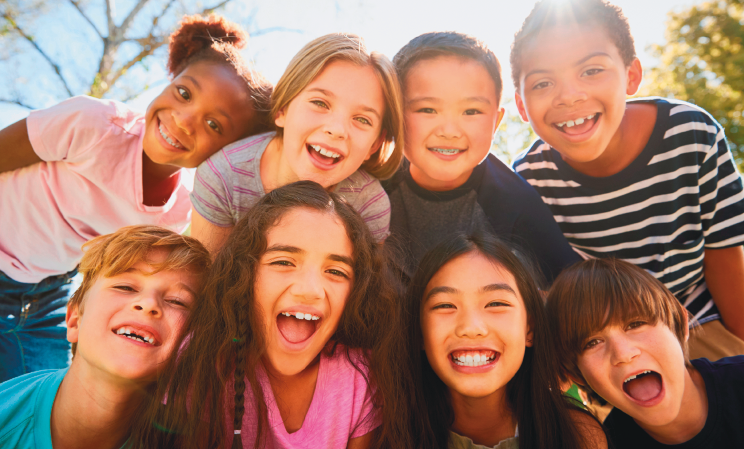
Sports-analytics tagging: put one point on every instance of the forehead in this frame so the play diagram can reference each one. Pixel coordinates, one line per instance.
(219, 83)
(565, 45)
(312, 231)
(469, 273)
(449, 77)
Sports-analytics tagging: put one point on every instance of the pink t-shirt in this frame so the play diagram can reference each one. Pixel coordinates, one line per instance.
(341, 409)
(90, 184)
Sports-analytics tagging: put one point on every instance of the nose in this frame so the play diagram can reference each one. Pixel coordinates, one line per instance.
(308, 285)
(149, 304)
(335, 126)
(448, 129)
(184, 120)
(622, 350)
(570, 93)
(470, 324)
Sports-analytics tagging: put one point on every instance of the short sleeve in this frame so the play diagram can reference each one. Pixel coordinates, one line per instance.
(66, 131)
(366, 195)
(721, 192)
(211, 196)
(367, 417)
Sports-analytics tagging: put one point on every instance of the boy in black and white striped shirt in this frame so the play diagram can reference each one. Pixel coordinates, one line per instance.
(650, 181)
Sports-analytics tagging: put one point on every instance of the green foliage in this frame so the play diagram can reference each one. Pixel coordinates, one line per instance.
(512, 136)
(702, 62)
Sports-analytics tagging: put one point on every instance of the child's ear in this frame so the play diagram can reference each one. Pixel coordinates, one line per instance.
(72, 318)
(520, 107)
(280, 118)
(530, 336)
(635, 76)
(377, 144)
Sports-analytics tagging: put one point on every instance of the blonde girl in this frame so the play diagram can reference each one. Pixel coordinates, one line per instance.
(338, 116)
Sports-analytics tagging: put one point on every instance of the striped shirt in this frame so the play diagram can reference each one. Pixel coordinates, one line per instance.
(681, 195)
(228, 184)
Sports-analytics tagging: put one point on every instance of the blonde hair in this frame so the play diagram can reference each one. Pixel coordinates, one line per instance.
(314, 57)
(112, 254)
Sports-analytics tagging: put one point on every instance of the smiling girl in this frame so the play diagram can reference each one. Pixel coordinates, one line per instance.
(87, 167)
(480, 355)
(296, 337)
(338, 114)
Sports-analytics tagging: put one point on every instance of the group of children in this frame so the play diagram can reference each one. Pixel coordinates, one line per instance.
(316, 306)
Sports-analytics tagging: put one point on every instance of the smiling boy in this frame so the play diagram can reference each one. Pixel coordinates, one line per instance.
(449, 183)
(650, 181)
(622, 334)
(139, 284)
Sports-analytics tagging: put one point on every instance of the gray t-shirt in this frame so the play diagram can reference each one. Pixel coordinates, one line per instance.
(228, 184)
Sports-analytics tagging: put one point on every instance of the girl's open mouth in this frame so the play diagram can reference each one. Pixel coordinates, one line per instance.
(167, 139)
(297, 327)
(474, 360)
(646, 388)
(323, 156)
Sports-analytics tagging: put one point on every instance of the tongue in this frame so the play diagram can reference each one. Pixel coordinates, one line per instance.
(644, 388)
(294, 330)
(579, 129)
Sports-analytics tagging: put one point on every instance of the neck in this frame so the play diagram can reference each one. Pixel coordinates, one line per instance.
(692, 414)
(93, 410)
(435, 185)
(275, 172)
(158, 181)
(485, 420)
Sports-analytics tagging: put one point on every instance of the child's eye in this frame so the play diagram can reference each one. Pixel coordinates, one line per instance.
(498, 304)
(177, 302)
(591, 343)
(472, 112)
(427, 111)
(363, 121)
(124, 288)
(320, 104)
(541, 85)
(212, 124)
(443, 306)
(284, 263)
(591, 72)
(338, 273)
(184, 93)
(636, 324)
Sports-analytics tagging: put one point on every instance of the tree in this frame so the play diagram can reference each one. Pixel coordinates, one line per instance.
(513, 135)
(702, 63)
(53, 50)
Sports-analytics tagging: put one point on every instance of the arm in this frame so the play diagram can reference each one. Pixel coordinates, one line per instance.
(590, 429)
(17, 151)
(362, 442)
(724, 274)
(212, 236)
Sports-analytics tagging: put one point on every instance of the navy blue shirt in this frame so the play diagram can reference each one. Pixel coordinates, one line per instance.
(724, 427)
(494, 199)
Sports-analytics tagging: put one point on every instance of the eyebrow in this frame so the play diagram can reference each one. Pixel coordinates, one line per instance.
(193, 80)
(186, 287)
(478, 99)
(579, 62)
(295, 250)
(438, 290)
(488, 288)
(144, 273)
(328, 93)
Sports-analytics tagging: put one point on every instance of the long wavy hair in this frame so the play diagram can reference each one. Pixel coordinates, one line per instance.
(223, 341)
(533, 394)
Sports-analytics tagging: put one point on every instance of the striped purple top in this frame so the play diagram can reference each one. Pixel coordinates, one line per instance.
(228, 184)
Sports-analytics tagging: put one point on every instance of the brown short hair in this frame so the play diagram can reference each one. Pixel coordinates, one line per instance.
(434, 45)
(548, 13)
(593, 294)
(112, 254)
(314, 57)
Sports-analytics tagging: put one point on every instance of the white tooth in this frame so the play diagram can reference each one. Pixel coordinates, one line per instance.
(570, 123)
(590, 117)
(300, 316)
(469, 359)
(308, 317)
(477, 358)
(579, 121)
(315, 318)
(561, 124)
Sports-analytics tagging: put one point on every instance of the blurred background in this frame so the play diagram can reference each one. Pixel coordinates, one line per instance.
(51, 50)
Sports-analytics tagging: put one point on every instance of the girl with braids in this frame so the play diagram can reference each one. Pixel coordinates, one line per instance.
(87, 167)
(296, 335)
(480, 357)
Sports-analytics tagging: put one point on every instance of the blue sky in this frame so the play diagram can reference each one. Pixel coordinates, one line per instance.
(386, 25)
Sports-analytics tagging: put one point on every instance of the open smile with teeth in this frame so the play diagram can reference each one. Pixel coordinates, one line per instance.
(302, 316)
(139, 335)
(636, 375)
(167, 138)
(446, 151)
(473, 358)
(323, 152)
(574, 122)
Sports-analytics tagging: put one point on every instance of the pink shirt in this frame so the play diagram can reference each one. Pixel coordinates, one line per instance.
(90, 184)
(341, 409)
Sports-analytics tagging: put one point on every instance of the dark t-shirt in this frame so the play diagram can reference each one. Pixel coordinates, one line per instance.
(724, 427)
(494, 200)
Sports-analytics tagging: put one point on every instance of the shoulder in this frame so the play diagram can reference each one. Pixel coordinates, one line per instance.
(21, 397)
(500, 184)
(590, 429)
(683, 119)
(724, 371)
(534, 157)
(392, 184)
(89, 112)
(236, 161)
(364, 192)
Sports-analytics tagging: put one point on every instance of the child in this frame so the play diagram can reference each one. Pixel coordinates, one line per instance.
(622, 334)
(339, 123)
(297, 337)
(103, 166)
(138, 287)
(650, 181)
(479, 350)
(450, 184)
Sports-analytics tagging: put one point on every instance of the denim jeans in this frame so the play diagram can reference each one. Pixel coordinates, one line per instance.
(33, 335)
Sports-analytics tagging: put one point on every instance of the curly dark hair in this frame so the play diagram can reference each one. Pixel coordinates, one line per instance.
(446, 43)
(548, 13)
(217, 40)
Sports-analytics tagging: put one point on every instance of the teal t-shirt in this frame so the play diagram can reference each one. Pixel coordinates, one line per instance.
(26, 409)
